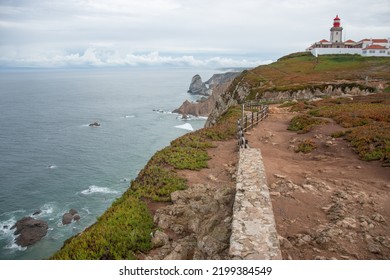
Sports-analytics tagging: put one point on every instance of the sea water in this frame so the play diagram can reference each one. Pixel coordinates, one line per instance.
(52, 160)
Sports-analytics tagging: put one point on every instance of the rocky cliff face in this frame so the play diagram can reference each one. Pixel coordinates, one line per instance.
(197, 87)
(212, 88)
(238, 92)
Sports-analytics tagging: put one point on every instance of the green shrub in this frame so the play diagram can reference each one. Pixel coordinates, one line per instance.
(306, 146)
(304, 123)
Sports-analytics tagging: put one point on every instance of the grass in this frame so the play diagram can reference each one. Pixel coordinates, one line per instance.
(301, 71)
(125, 228)
(306, 146)
(366, 120)
(304, 123)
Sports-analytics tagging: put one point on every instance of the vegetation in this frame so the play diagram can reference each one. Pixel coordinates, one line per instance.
(301, 71)
(125, 228)
(304, 123)
(366, 119)
(306, 146)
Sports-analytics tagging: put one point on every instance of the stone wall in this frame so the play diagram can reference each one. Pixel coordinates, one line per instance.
(254, 233)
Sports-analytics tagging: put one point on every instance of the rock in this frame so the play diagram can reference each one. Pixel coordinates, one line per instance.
(275, 194)
(348, 222)
(197, 86)
(212, 178)
(30, 231)
(378, 218)
(279, 176)
(159, 239)
(70, 216)
(284, 242)
(374, 248)
(37, 212)
(183, 249)
(211, 246)
(94, 124)
(67, 218)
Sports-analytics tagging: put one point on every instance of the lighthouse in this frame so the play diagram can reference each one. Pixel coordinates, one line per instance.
(336, 31)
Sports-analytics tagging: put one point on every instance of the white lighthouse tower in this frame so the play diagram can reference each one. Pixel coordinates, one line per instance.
(336, 31)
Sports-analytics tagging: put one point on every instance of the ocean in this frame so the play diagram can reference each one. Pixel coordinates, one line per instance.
(52, 160)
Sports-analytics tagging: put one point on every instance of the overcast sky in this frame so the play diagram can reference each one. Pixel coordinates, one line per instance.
(61, 33)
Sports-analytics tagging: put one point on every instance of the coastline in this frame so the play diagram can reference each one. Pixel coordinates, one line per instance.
(158, 182)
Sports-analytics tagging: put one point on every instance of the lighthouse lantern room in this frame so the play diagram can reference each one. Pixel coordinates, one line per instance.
(336, 31)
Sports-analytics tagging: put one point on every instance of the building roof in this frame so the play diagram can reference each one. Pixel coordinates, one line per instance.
(379, 40)
(336, 18)
(323, 41)
(376, 40)
(350, 41)
(375, 47)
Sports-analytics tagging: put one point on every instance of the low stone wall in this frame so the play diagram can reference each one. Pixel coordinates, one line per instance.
(254, 235)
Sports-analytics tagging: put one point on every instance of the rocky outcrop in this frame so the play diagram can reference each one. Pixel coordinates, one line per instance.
(309, 93)
(213, 88)
(206, 88)
(197, 86)
(29, 230)
(94, 124)
(197, 224)
(70, 216)
(239, 90)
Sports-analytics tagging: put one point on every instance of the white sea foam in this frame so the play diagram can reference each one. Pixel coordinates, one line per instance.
(96, 189)
(186, 126)
(15, 247)
(51, 166)
(129, 116)
(47, 209)
(5, 227)
(86, 210)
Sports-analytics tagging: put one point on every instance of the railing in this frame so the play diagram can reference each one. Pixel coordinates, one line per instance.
(252, 114)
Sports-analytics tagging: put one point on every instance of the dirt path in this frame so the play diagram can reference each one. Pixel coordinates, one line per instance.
(328, 204)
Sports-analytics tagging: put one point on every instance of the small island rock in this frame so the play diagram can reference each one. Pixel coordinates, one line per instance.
(70, 216)
(94, 124)
(30, 231)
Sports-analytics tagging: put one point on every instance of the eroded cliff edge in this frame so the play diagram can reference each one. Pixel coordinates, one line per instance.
(208, 92)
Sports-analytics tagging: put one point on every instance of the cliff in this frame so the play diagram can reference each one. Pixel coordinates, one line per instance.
(303, 76)
(211, 90)
(155, 213)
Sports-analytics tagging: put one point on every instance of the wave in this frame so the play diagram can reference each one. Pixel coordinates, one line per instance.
(96, 189)
(51, 166)
(164, 112)
(46, 210)
(186, 126)
(5, 227)
(15, 247)
(191, 118)
(129, 116)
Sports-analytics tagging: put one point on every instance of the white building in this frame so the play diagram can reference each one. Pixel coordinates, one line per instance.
(365, 47)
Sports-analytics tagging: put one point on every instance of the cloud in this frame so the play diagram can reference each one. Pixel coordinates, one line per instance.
(103, 57)
(130, 31)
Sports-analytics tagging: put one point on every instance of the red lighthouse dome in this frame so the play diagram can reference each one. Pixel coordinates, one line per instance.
(336, 21)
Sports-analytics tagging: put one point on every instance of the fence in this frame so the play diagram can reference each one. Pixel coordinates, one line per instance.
(253, 112)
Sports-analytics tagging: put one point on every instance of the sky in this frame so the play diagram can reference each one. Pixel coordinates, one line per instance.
(200, 33)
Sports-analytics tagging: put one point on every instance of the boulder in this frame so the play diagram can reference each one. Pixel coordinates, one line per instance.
(30, 231)
(94, 124)
(70, 216)
(37, 212)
